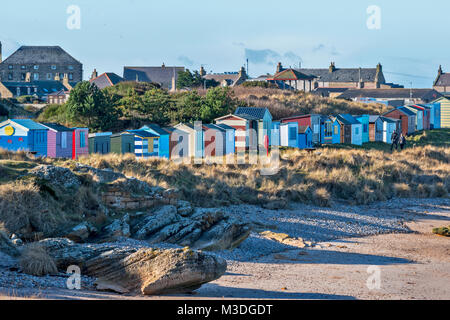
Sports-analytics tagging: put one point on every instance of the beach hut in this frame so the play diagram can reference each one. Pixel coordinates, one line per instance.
(23, 134)
(372, 128)
(444, 113)
(196, 139)
(331, 131)
(289, 134)
(275, 133)
(146, 144)
(435, 115)
(59, 140)
(385, 127)
(122, 143)
(178, 143)
(263, 121)
(364, 120)
(100, 142)
(80, 142)
(314, 121)
(407, 118)
(229, 143)
(426, 115)
(305, 135)
(419, 117)
(351, 129)
(164, 139)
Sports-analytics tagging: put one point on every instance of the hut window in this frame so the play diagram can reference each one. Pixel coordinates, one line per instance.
(336, 130)
(292, 133)
(82, 142)
(328, 129)
(64, 140)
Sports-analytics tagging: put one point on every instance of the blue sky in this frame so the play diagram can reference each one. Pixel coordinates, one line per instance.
(220, 35)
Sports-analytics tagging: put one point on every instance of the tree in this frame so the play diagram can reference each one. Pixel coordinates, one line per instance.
(89, 106)
(186, 79)
(216, 103)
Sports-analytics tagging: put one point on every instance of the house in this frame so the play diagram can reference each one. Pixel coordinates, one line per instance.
(419, 117)
(105, 80)
(100, 142)
(351, 129)
(43, 63)
(146, 144)
(178, 143)
(305, 137)
(372, 128)
(122, 143)
(164, 76)
(80, 142)
(309, 80)
(24, 134)
(59, 140)
(400, 96)
(442, 82)
(444, 103)
(385, 127)
(252, 127)
(38, 89)
(196, 139)
(364, 120)
(164, 139)
(407, 117)
(227, 79)
(314, 121)
(330, 131)
(59, 97)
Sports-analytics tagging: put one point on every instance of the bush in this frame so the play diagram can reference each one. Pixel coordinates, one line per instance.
(36, 261)
(445, 231)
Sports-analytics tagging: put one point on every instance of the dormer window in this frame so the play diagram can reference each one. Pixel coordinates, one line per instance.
(53, 67)
(23, 67)
(10, 67)
(70, 67)
(36, 67)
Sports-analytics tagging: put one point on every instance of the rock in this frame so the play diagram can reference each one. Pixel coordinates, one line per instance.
(184, 208)
(205, 229)
(57, 175)
(81, 232)
(6, 246)
(284, 238)
(275, 204)
(153, 271)
(155, 222)
(118, 228)
(147, 270)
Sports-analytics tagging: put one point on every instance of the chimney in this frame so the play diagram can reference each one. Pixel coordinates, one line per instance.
(379, 67)
(242, 73)
(28, 77)
(439, 71)
(332, 67)
(94, 74)
(163, 65)
(279, 67)
(1, 58)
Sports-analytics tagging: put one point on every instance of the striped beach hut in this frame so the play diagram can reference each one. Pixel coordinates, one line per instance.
(24, 134)
(146, 144)
(164, 139)
(59, 140)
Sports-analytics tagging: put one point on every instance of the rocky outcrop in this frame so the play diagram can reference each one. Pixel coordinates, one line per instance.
(63, 177)
(118, 228)
(144, 270)
(82, 232)
(206, 229)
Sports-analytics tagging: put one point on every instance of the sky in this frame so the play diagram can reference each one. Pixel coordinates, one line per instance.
(409, 38)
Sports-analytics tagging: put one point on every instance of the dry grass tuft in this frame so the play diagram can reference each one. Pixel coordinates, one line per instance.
(36, 261)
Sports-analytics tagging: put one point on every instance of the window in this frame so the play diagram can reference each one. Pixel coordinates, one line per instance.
(49, 76)
(61, 76)
(365, 128)
(53, 67)
(70, 76)
(292, 133)
(36, 76)
(64, 140)
(336, 129)
(36, 67)
(10, 67)
(23, 76)
(328, 129)
(356, 130)
(70, 67)
(10, 76)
